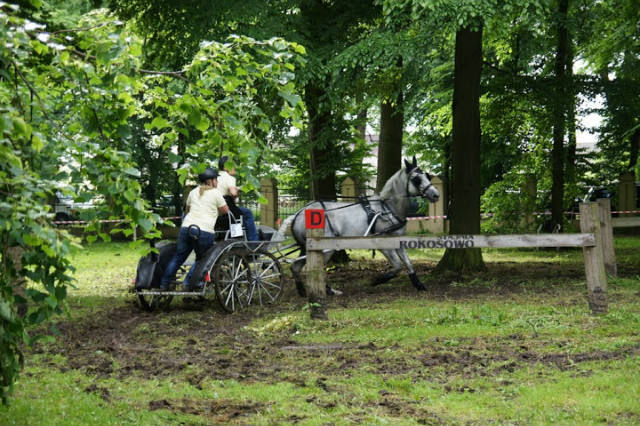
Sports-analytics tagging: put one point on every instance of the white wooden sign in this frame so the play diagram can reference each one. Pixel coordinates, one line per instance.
(452, 241)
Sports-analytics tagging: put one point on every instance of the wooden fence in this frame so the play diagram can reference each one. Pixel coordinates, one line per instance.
(596, 239)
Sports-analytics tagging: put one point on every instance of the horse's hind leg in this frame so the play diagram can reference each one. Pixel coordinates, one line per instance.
(395, 262)
(330, 291)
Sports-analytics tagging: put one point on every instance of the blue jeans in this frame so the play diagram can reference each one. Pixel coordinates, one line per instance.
(249, 224)
(186, 244)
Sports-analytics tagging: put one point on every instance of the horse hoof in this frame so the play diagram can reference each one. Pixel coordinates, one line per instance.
(383, 279)
(417, 283)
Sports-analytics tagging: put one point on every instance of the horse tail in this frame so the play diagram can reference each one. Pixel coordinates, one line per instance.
(287, 223)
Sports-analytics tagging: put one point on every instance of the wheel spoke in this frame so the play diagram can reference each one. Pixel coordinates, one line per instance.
(267, 276)
(232, 278)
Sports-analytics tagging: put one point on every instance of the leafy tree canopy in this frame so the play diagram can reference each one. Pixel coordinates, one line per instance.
(68, 100)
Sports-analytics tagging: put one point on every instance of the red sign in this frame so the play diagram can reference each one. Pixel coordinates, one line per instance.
(314, 219)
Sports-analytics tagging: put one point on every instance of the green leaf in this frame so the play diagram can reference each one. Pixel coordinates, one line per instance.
(132, 172)
(159, 123)
(135, 50)
(203, 125)
(5, 311)
(291, 98)
(145, 224)
(194, 117)
(174, 158)
(52, 301)
(32, 240)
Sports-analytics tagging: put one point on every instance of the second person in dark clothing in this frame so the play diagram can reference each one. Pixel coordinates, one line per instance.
(228, 188)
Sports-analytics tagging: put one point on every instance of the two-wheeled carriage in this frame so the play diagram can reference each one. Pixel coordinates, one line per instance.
(236, 272)
(240, 273)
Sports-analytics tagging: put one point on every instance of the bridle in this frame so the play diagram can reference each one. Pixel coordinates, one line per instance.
(414, 178)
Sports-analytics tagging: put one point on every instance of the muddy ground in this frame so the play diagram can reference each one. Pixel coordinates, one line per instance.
(199, 343)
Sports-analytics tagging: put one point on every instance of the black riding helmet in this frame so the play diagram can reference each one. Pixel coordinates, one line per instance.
(222, 162)
(209, 173)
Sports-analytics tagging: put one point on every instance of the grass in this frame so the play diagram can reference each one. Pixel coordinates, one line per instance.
(515, 346)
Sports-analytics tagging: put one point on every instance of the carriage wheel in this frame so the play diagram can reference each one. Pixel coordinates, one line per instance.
(151, 302)
(232, 278)
(267, 277)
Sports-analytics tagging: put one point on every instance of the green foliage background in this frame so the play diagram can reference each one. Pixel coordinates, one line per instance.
(69, 98)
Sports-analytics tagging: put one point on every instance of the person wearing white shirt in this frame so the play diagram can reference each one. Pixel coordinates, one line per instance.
(203, 204)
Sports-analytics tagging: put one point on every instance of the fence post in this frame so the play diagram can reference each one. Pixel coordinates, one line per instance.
(269, 211)
(437, 208)
(608, 251)
(593, 259)
(316, 286)
(348, 188)
(627, 197)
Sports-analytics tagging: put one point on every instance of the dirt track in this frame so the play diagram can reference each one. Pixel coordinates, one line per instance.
(199, 343)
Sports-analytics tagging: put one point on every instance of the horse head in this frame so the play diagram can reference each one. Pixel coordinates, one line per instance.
(419, 182)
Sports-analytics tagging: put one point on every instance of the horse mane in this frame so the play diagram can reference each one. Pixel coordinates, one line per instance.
(389, 190)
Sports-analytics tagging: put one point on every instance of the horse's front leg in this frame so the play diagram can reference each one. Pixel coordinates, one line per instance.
(402, 254)
(396, 264)
(296, 270)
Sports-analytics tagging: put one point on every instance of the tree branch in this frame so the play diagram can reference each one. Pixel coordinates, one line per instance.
(34, 92)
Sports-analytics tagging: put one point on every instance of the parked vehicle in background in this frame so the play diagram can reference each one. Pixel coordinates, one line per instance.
(165, 206)
(67, 209)
(601, 192)
(594, 193)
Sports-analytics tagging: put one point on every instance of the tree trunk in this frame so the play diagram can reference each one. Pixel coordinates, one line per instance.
(558, 156)
(361, 127)
(323, 175)
(178, 191)
(391, 132)
(571, 120)
(464, 213)
(390, 142)
(634, 149)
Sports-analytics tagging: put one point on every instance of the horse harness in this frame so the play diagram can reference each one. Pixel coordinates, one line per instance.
(373, 216)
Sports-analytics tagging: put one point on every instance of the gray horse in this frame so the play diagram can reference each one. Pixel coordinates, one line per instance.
(383, 214)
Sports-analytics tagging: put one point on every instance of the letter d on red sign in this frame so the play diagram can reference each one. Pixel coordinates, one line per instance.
(314, 219)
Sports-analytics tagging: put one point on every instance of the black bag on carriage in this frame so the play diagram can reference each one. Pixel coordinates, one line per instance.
(151, 267)
(222, 224)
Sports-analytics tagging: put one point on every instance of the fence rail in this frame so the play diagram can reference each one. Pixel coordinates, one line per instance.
(596, 238)
(453, 242)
